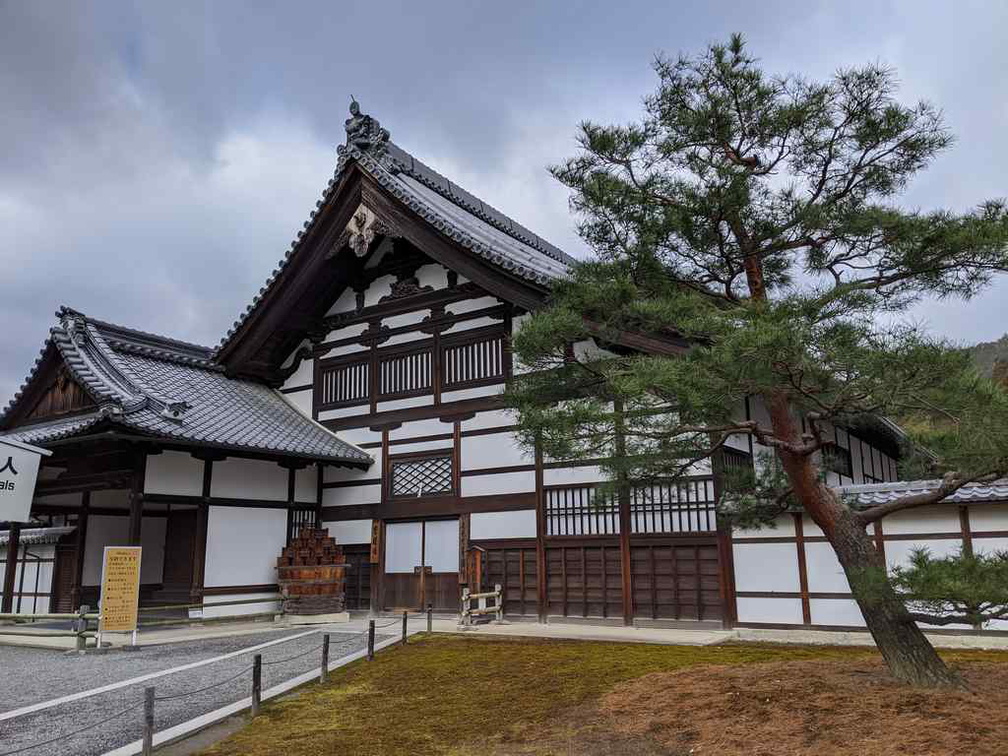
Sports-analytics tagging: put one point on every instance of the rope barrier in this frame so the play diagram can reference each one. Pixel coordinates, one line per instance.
(173, 696)
(75, 732)
(292, 658)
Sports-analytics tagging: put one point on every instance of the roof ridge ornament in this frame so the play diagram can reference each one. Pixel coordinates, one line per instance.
(364, 132)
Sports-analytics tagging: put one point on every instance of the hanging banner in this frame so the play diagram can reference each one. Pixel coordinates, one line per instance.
(19, 464)
(120, 589)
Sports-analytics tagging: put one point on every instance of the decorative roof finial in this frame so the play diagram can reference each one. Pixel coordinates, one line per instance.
(363, 131)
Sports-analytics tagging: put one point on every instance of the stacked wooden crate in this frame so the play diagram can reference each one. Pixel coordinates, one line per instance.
(311, 572)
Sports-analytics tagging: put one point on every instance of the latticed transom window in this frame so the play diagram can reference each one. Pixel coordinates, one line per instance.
(425, 476)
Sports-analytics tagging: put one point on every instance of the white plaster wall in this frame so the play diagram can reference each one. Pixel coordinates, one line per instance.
(304, 373)
(350, 531)
(240, 610)
(249, 479)
(306, 484)
(490, 419)
(488, 525)
(344, 303)
(243, 544)
(472, 393)
(825, 575)
(379, 288)
(766, 567)
(939, 519)
(415, 428)
(442, 445)
(351, 495)
(396, 404)
(302, 400)
(496, 450)
(503, 483)
(331, 474)
(113, 530)
(37, 578)
(835, 611)
(987, 517)
(898, 552)
(773, 610)
(173, 472)
(468, 305)
(360, 436)
(570, 475)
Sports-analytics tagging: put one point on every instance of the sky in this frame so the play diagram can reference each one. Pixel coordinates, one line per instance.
(157, 159)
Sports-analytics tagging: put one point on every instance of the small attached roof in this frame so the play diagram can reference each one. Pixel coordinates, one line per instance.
(36, 536)
(873, 494)
(479, 228)
(174, 391)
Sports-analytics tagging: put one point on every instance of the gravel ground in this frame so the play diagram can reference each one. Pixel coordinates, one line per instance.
(32, 675)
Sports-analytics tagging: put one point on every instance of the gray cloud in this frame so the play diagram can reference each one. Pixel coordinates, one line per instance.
(159, 158)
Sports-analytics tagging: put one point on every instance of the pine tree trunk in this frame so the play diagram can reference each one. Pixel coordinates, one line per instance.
(910, 656)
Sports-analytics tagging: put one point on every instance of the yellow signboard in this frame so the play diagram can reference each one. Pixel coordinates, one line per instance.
(120, 589)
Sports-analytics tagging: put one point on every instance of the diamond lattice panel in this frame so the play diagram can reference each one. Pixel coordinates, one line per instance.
(422, 477)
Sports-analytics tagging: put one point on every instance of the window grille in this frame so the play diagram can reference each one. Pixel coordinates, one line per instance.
(405, 374)
(346, 383)
(426, 476)
(473, 362)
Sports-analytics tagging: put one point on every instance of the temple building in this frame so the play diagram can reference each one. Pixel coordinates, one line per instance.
(361, 390)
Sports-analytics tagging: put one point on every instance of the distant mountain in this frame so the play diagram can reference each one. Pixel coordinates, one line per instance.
(987, 353)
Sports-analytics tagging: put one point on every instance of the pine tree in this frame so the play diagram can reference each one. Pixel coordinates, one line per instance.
(749, 225)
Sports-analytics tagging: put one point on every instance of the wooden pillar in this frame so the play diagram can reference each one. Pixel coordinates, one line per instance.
(136, 501)
(10, 569)
(199, 549)
(540, 536)
(318, 494)
(80, 550)
(726, 556)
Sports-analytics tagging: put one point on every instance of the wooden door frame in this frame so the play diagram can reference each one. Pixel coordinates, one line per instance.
(423, 572)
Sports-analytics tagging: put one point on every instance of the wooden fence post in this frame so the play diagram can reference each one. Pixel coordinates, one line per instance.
(370, 641)
(148, 723)
(324, 673)
(256, 684)
(405, 619)
(430, 618)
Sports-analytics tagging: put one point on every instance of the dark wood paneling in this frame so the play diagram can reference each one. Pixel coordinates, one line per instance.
(179, 555)
(515, 570)
(673, 579)
(584, 580)
(358, 577)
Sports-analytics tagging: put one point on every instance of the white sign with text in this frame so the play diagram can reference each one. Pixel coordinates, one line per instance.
(19, 464)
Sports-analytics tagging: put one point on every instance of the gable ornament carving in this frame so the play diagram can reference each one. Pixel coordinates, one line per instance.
(364, 227)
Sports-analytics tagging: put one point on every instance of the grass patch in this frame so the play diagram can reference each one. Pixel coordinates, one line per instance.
(460, 695)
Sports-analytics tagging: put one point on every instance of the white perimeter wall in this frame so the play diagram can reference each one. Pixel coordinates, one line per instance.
(766, 562)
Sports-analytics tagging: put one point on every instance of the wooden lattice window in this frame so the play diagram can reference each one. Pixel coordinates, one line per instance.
(345, 383)
(405, 374)
(474, 359)
(579, 509)
(421, 476)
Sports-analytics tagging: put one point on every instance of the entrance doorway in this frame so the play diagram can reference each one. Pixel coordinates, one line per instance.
(421, 565)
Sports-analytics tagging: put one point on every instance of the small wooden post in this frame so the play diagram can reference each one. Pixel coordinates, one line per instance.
(370, 641)
(405, 619)
(256, 684)
(81, 628)
(324, 672)
(148, 723)
(430, 618)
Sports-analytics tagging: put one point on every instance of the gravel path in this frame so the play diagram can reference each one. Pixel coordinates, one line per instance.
(32, 675)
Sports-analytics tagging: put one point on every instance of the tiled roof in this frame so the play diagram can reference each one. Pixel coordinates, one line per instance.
(35, 536)
(174, 391)
(463, 217)
(872, 494)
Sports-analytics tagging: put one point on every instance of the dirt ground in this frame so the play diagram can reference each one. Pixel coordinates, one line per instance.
(849, 708)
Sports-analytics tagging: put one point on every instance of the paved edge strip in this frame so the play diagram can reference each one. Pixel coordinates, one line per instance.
(179, 731)
(43, 705)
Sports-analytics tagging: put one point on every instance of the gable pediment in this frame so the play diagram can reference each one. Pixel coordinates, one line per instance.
(52, 392)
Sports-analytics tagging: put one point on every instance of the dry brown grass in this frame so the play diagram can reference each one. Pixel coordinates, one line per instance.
(850, 708)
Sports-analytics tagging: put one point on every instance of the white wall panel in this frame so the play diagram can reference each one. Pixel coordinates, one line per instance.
(569, 475)
(989, 545)
(444, 446)
(236, 478)
(302, 400)
(243, 544)
(413, 401)
(472, 393)
(766, 567)
(783, 527)
(825, 575)
(772, 610)
(497, 450)
(380, 287)
(490, 419)
(898, 552)
(360, 436)
(489, 525)
(503, 483)
(306, 484)
(936, 519)
(173, 472)
(414, 428)
(988, 517)
(835, 612)
(346, 302)
(407, 319)
(468, 305)
(241, 610)
(350, 531)
(351, 495)
(303, 375)
(435, 276)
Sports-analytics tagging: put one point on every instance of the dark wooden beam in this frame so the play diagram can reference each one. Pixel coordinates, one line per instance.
(136, 502)
(80, 549)
(202, 518)
(10, 569)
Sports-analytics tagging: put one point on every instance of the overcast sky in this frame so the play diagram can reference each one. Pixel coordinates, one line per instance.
(157, 161)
